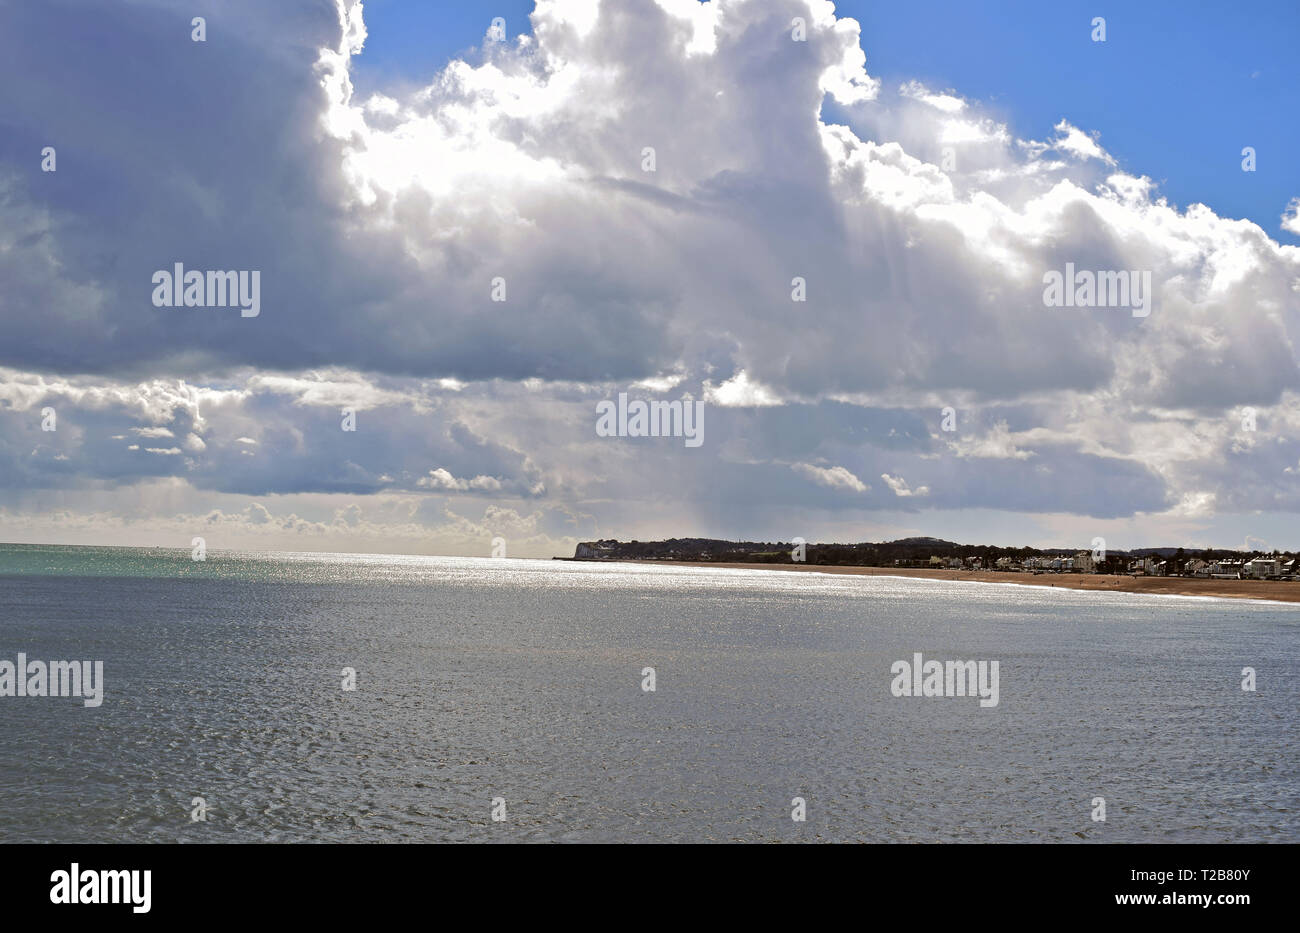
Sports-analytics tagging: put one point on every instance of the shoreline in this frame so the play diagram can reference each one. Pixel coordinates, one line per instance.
(1271, 590)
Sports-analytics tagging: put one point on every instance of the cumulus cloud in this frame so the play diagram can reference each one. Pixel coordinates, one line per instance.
(1291, 217)
(1075, 142)
(834, 477)
(740, 392)
(996, 444)
(441, 479)
(899, 486)
(948, 103)
(382, 222)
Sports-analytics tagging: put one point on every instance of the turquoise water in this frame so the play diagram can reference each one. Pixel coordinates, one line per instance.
(479, 679)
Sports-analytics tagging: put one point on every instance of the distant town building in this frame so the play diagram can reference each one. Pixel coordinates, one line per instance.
(1145, 565)
(1262, 568)
(1226, 569)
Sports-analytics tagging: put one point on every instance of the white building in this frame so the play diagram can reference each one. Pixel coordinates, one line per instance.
(1262, 568)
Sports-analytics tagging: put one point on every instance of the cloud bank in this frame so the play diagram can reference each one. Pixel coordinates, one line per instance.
(673, 199)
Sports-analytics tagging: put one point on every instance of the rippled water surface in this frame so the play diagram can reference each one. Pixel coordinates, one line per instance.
(485, 678)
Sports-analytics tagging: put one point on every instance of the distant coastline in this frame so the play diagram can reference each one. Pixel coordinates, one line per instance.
(1153, 571)
(1287, 591)
(1272, 590)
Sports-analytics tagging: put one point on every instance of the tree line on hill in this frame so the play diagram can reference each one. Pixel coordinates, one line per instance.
(905, 551)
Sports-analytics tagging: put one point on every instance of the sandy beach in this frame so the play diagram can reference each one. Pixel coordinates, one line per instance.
(1280, 591)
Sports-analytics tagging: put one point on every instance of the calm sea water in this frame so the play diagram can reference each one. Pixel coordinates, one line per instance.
(522, 680)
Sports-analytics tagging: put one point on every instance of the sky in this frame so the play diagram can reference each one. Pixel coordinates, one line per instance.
(1146, 91)
(830, 229)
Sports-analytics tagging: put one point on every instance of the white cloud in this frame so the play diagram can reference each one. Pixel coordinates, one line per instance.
(897, 484)
(948, 103)
(524, 161)
(1079, 144)
(835, 477)
(665, 382)
(997, 444)
(740, 391)
(441, 479)
(1291, 217)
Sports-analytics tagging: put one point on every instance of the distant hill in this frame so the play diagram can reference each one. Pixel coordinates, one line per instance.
(904, 551)
(922, 542)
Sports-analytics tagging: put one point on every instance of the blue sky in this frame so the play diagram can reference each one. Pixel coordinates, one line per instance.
(1149, 90)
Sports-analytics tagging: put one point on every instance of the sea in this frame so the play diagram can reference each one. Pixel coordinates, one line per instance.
(306, 697)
